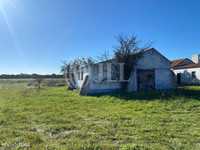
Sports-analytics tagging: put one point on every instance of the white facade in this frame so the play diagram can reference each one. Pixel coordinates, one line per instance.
(196, 58)
(188, 76)
(151, 61)
(79, 76)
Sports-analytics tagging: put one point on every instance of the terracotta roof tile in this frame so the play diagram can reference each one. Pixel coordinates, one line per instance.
(181, 62)
(177, 62)
(187, 66)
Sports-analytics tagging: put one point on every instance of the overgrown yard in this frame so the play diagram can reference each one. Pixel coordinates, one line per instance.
(54, 118)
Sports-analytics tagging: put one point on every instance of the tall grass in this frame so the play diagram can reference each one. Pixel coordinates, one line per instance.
(54, 118)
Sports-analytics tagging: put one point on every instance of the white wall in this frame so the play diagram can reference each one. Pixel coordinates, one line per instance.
(164, 79)
(150, 60)
(80, 82)
(196, 58)
(101, 86)
(186, 75)
(153, 60)
(163, 76)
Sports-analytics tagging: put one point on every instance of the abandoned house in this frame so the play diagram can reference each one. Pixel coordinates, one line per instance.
(151, 72)
(187, 70)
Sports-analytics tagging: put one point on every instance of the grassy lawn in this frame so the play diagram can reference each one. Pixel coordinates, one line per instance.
(54, 118)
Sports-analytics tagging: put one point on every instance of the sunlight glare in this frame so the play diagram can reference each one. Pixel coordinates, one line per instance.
(5, 7)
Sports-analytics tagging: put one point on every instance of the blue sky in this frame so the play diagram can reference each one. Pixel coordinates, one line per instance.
(37, 35)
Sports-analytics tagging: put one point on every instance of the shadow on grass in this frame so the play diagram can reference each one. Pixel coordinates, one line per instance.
(181, 92)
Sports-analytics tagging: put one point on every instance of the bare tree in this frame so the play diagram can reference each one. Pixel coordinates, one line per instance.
(38, 79)
(128, 52)
(105, 56)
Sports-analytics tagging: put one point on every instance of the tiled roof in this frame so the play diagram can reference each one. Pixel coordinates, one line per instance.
(181, 63)
(189, 66)
(176, 62)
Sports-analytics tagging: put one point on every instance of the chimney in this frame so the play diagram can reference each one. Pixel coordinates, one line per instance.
(196, 58)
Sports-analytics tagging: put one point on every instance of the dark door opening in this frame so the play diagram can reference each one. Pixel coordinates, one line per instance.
(179, 78)
(146, 80)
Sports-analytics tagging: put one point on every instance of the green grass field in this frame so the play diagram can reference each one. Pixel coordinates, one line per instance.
(54, 118)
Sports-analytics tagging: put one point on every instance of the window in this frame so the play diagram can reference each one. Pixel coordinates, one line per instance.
(81, 75)
(179, 78)
(95, 71)
(194, 75)
(115, 72)
(105, 71)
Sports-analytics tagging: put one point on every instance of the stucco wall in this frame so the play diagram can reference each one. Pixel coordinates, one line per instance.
(98, 82)
(164, 78)
(132, 86)
(150, 60)
(79, 83)
(186, 75)
(104, 87)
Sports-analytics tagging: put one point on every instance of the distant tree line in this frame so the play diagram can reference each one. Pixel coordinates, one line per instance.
(29, 76)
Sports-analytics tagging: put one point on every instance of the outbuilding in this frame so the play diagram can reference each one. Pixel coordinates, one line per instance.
(151, 72)
(187, 71)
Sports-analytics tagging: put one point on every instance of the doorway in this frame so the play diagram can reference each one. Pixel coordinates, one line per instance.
(179, 78)
(146, 80)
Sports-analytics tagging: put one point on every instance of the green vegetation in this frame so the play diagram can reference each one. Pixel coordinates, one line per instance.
(54, 118)
(28, 83)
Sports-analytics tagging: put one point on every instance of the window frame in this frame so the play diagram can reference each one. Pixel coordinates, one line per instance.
(194, 76)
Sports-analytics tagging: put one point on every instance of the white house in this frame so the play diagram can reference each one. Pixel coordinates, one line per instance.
(187, 71)
(151, 72)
